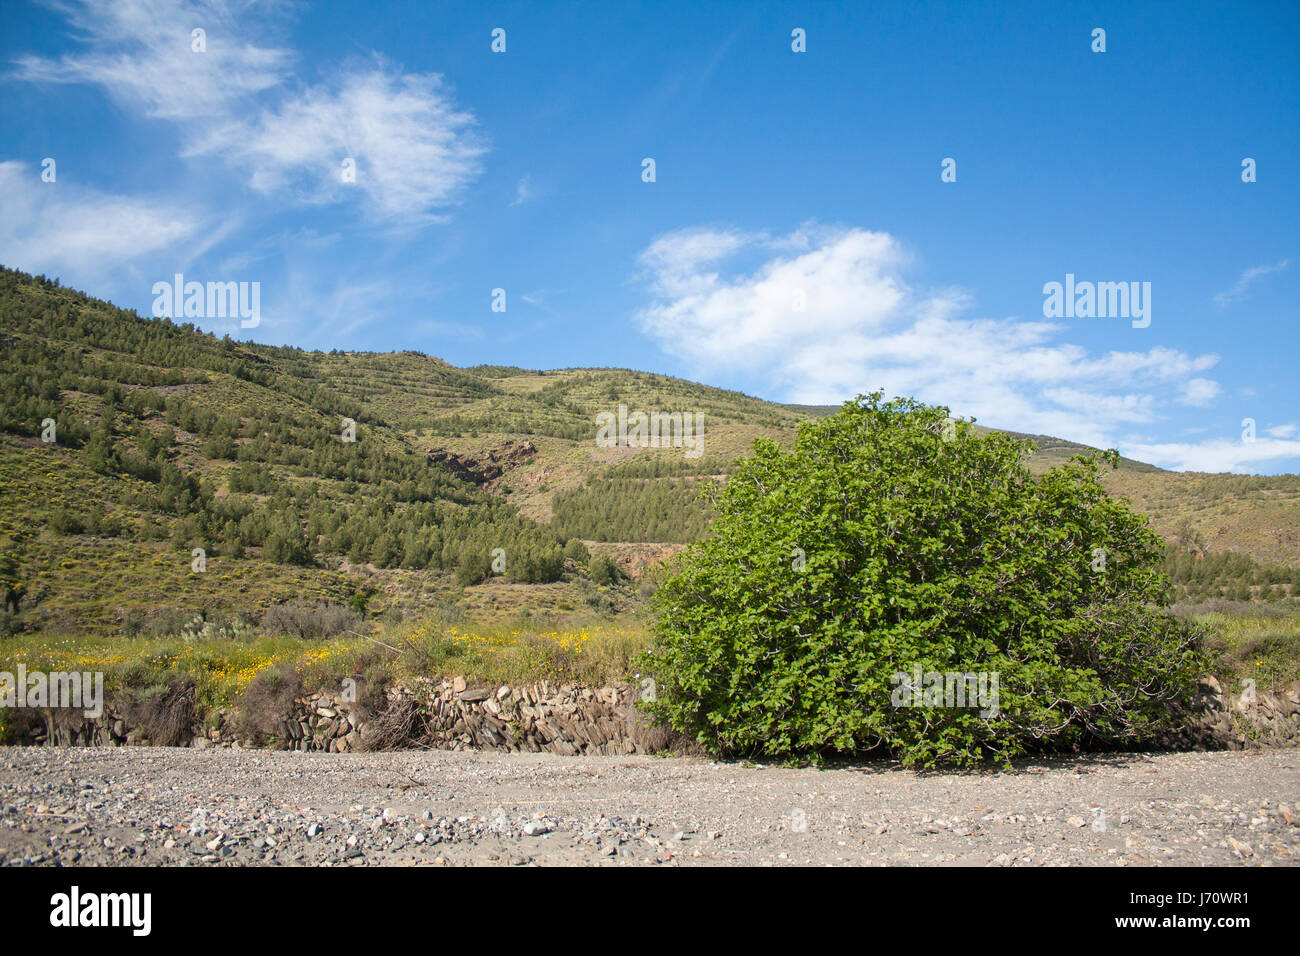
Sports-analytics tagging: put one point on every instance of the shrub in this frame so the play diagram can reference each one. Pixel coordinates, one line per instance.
(473, 568)
(201, 627)
(398, 726)
(10, 623)
(133, 622)
(535, 565)
(164, 622)
(65, 522)
(287, 544)
(12, 588)
(602, 570)
(576, 551)
(299, 619)
(268, 702)
(166, 712)
(889, 538)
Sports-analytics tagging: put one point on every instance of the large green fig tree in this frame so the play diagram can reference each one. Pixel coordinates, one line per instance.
(893, 544)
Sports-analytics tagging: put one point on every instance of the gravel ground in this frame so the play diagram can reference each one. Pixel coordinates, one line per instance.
(151, 806)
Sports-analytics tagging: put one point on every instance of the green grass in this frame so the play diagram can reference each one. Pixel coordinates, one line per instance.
(504, 654)
(1261, 646)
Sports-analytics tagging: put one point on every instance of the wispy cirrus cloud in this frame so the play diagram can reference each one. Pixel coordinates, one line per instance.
(141, 52)
(523, 191)
(414, 149)
(1245, 280)
(538, 298)
(826, 312)
(53, 227)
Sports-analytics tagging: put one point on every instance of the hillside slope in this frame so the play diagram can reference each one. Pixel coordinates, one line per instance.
(382, 481)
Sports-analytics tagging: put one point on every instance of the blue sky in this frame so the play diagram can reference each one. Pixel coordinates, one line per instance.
(797, 243)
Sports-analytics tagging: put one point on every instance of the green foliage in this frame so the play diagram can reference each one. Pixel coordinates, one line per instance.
(287, 544)
(632, 509)
(170, 439)
(473, 568)
(876, 546)
(12, 586)
(310, 621)
(64, 522)
(535, 565)
(1200, 575)
(602, 570)
(1260, 642)
(231, 447)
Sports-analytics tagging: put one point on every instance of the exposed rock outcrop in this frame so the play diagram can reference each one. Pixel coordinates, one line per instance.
(493, 465)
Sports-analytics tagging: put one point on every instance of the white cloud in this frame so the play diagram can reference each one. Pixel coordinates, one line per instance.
(862, 327)
(1200, 392)
(1112, 408)
(1218, 455)
(415, 150)
(64, 229)
(1244, 281)
(844, 284)
(140, 52)
(523, 191)
(538, 298)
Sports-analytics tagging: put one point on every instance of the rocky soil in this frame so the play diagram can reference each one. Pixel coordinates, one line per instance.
(495, 463)
(222, 807)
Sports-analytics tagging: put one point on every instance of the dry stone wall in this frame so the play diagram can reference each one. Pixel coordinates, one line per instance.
(571, 719)
(567, 719)
(1218, 720)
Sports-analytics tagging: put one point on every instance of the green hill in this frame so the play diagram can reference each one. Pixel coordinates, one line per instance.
(168, 440)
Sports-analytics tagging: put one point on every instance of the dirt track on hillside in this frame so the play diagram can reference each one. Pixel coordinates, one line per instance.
(151, 806)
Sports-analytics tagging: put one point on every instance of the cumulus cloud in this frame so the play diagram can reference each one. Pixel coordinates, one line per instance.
(825, 313)
(787, 308)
